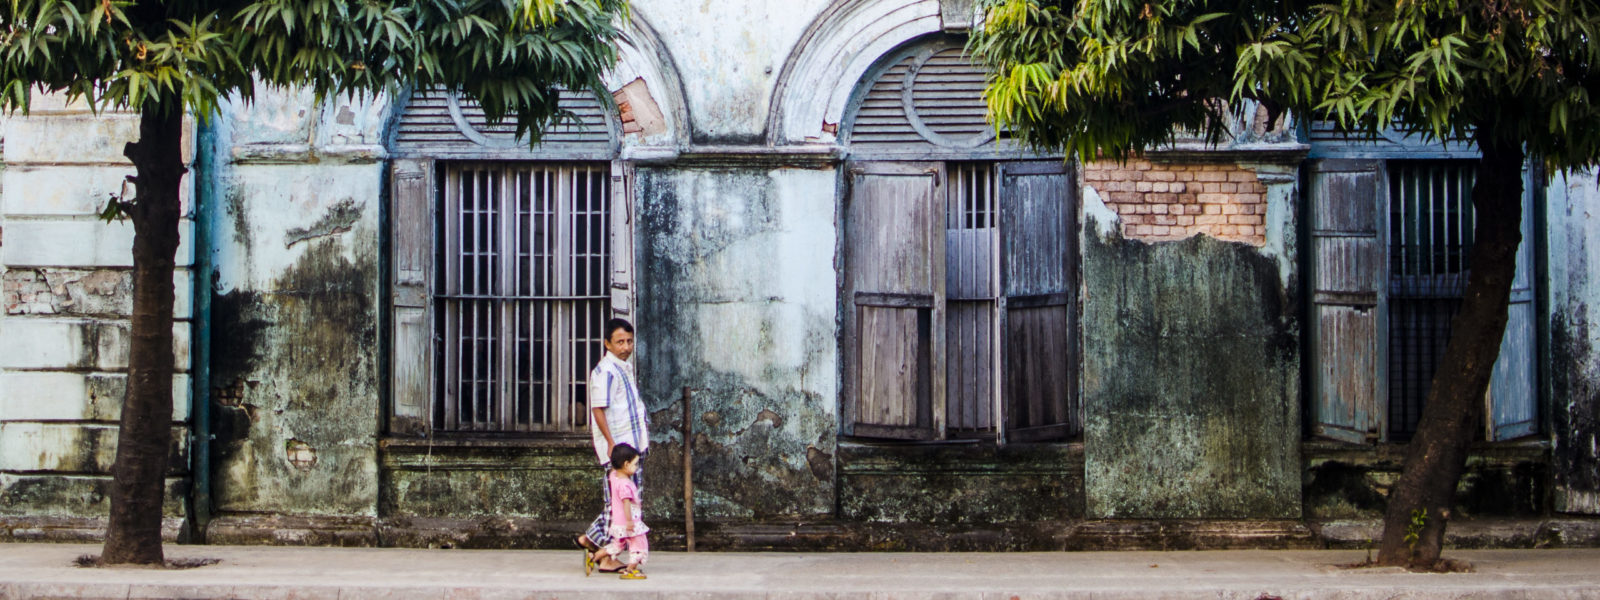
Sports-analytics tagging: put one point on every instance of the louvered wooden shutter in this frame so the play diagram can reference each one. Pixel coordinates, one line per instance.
(895, 299)
(411, 191)
(1349, 283)
(1038, 310)
(932, 99)
(440, 126)
(1514, 392)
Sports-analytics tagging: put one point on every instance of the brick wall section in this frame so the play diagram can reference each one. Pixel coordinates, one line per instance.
(1166, 201)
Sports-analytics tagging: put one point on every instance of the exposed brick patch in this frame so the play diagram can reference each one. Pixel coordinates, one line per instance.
(637, 109)
(629, 123)
(1164, 201)
(67, 291)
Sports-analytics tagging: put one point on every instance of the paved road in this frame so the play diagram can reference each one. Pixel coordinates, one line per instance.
(46, 570)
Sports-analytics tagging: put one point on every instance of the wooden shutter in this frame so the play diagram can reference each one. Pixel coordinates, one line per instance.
(1514, 392)
(929, 99)
(412, 221)
(1349, 283)
(621, 222)
(438, 124)
(971, 300)
(894, 299)
(1038, 307)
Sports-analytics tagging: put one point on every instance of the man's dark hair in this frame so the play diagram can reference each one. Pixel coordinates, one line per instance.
(621, 454)
(613, 325)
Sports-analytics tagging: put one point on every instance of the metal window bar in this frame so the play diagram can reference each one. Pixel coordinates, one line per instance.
(526, 255)
(1431, 220)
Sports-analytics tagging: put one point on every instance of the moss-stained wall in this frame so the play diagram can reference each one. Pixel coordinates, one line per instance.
(1345, 481)
(962, 484)
(1573, 214)
(1191, 375)
(547, 481)
(737, 302)
(295, 306)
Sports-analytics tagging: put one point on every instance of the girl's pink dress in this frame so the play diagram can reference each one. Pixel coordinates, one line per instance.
(634, 541)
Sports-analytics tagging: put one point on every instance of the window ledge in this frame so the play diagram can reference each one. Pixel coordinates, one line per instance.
(549, 442)
(1530, 447)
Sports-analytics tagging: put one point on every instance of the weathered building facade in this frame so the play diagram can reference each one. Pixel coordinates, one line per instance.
(867, 319)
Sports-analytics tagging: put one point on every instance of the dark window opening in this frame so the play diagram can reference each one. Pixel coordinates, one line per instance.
(522, 288)
(1430, 246)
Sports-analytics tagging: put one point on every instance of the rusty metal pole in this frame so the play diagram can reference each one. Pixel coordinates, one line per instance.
(688, 471)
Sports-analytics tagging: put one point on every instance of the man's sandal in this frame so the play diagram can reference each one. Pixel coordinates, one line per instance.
(633, 574)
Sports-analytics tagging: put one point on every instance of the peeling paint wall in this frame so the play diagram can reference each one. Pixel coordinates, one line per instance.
(295, 305)
(1573, 214)
(1190, 331)
(1191, 375)
(66, 295)
(737, 302)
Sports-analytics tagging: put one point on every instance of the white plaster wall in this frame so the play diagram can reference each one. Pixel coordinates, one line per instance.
(1573, 214)
(761, 294)
(1573, 205)
(66, 348)
(728, 54)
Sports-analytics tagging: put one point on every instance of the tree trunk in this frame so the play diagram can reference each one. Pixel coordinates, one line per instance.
(145, 439)
(1420, 502)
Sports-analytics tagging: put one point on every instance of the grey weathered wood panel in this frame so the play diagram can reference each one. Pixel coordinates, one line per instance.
(969, 402)
(894, 275)
(971, 262)
(1345, 403)
(1038, 313)
(1037, 381)
(1514, 390)
(412, 202)
(1349, 279)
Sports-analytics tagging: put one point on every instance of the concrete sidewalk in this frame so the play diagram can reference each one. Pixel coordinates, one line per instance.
(47, 570)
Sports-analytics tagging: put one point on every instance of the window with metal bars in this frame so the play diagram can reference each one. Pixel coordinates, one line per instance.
(521, 294)
(1430, 247)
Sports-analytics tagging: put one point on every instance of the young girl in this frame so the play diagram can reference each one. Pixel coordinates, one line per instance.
(627, 517)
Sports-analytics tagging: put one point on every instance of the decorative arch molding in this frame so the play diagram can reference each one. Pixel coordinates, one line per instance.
(643, 57)
(435, 124)
(837, 49)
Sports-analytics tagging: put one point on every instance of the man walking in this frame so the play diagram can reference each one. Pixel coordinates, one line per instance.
(616, 416)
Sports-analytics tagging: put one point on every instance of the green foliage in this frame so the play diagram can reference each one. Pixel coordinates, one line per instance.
(1116, 76)
(509, 55)
(1419, 520)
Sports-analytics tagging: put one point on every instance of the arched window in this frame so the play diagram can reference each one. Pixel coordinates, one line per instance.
(505, 263)
(960, 303)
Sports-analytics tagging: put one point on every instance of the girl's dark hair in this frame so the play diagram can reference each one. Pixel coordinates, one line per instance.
(621, 454)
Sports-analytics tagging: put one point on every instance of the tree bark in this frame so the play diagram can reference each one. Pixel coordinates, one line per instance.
(145, 439)
(1420, 502)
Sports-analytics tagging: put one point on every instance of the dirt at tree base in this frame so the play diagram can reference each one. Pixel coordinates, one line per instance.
(1443, 565)
(93, 561)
